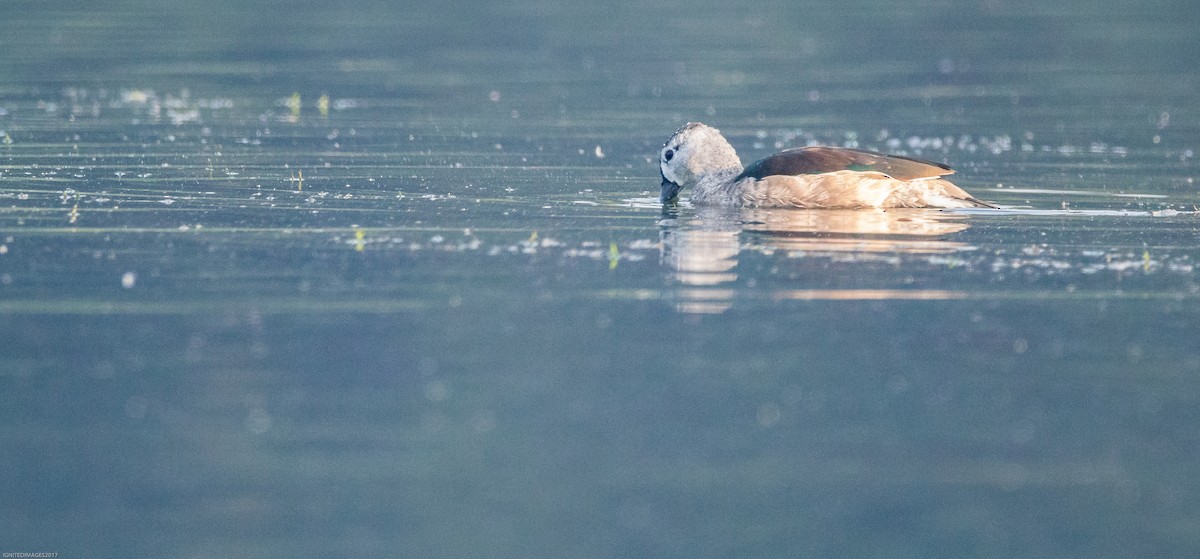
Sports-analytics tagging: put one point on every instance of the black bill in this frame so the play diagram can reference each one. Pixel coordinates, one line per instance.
(670, 191)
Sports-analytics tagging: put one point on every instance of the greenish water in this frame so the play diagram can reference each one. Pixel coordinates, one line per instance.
(310, 279)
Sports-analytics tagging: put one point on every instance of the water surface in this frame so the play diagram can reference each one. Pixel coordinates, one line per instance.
(285, 279)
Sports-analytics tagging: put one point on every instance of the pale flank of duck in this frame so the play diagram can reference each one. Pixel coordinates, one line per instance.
(814, 177)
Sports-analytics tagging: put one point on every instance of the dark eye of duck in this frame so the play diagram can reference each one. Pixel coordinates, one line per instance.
(668, 155)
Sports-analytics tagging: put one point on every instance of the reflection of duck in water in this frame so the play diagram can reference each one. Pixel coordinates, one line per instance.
(711, 241)
(902, 231)
(702, 251)
(813, 177)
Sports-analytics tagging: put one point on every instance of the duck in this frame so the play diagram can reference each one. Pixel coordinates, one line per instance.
(814, 177)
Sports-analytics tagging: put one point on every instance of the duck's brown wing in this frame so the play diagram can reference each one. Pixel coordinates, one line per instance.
(821, 159)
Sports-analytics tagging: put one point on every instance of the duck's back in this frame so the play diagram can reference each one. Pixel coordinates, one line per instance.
(823, 159)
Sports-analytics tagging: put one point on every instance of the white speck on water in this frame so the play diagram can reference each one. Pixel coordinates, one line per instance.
(595, 254)
(769, 414)
(258, 421)
(128, 280)
(437, 391)
(599, 153)
(1180, 267)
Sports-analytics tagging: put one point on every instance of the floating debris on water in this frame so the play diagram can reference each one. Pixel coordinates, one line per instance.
(293, 103)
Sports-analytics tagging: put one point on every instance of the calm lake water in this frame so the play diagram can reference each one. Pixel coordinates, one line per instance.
(285, 279)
